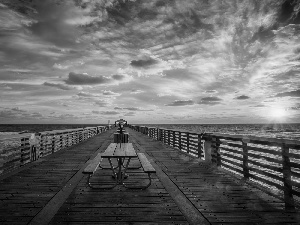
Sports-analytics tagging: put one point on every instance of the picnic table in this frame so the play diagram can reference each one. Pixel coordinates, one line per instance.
(123, 152)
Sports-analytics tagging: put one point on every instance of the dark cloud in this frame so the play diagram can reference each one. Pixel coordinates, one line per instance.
(296, 108)
(84, 79)
(100, 103)
(181, 103)
(17, 109)
(143, 63)
(118, 77)
(258, 106)
(105, 112)
(117, 108)
(129, 114)
(109, 113)
(289, 12)
(51, 22)
(137, 109)
(295, 93)
(132, 108)
(242, 97)
(59, 86)
(85, 94)
(109, 93)
(211, 91)
(210, 101)
(179, 74)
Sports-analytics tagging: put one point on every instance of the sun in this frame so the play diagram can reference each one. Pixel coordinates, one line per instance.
(278, 113)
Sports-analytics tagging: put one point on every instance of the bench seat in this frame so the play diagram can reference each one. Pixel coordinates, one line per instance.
(93, 166)
(147, 167)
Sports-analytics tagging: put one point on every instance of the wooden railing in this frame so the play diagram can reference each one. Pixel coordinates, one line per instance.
(18, 150)
(270, 163)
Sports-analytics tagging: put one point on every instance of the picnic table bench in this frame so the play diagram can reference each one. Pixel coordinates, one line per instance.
(120, 152)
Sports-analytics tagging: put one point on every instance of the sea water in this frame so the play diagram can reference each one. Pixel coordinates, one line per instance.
(287, 131)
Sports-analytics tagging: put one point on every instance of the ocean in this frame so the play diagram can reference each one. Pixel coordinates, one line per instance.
(287, 131)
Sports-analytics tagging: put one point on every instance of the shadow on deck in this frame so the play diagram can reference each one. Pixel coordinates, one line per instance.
(185, 190)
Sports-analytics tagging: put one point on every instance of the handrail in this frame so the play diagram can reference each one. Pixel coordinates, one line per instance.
(20, 149)
(269, 162)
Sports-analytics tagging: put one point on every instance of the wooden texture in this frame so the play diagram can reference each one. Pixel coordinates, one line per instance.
(219, 197)
(115, 150)
(93, 166)
(110, 150)
(147, 167)
(24, 194)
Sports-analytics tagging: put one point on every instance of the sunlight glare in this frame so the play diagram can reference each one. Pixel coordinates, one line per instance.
(278, 113)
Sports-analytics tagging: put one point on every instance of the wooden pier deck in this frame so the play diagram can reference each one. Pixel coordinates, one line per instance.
(185, 190)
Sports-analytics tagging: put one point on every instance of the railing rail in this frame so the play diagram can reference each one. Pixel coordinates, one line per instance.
(269, 162)
(18, 150)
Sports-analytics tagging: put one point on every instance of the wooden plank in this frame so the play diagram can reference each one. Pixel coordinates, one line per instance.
(109, 151)
(145, 163)
(270, 167)
(129, 150)
(266, 158)
(93, 166)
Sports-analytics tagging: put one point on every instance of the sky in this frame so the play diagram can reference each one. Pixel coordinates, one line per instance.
(150, 61)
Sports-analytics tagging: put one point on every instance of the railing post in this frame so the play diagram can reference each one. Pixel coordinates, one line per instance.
(160, 135)
(169, 140)
(179, 140)
(287, 180)
(207, 149)
(216, 150)
(245, 159)
(173, 138)
(53, 144)
(199, 146)
(188, 142)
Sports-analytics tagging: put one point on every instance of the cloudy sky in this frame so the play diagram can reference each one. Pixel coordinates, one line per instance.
(149, 61)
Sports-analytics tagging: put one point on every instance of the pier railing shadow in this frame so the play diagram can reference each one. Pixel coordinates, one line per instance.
(270, 164)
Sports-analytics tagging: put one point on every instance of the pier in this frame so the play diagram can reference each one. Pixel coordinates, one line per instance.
(200, 179)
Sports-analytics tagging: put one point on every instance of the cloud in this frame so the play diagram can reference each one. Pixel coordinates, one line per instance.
(101, 103)
(130, 114)
(210, 101)
(136, 91)
(137, 109)
(211, 91)
(17, 109)
(118, 77)
(181, 103)
(59, 86)
(242, 97)
(109, 113)
(60, 67)
(16, 113)
(57, 23)
(143, 63)
(84, 79)
(87, 95)
(117, 108)
(295, 93)
(259, 106)
(109, 93)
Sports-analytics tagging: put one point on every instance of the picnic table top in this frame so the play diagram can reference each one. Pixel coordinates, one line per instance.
(116, 150)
